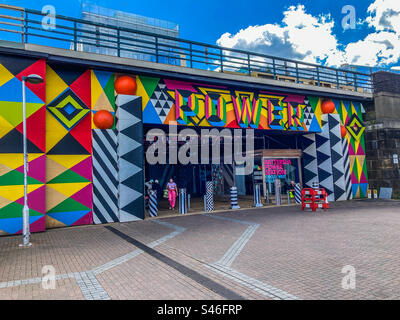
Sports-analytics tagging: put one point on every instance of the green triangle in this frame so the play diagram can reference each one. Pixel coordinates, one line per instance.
(355, 170)
(14, 210)
(68, 205)
(68, 176)
(149, 84)
(109, 91)
(16, 178)
(313, 102)
(12, 111)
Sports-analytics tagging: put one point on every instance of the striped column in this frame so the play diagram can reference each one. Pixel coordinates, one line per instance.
(297, 193)
(209, 198)
(234, 198)
(182, 201)
(153, 210)
(105, 176)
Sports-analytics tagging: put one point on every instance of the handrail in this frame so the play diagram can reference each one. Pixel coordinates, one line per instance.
(91, 36)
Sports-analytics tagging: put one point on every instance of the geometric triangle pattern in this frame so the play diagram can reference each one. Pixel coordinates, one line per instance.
(324, 159)
(161, 101)
(71, 201)
(12, 69)
(130, 158)
(335, 138)
(69, 160)
(310, 169)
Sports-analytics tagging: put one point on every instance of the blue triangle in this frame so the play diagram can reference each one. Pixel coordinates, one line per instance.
(12, 91)
(103, 77)
(13, 225)
(364, 188)
(68, 218)
(347, 106)
(315, 127)
(150, 114)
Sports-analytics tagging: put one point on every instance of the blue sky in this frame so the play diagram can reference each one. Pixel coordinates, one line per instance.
(309, 30)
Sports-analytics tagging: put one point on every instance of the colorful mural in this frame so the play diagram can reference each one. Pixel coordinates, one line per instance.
(68, 147)
(11, 145)
(60, 115)
(192, 104)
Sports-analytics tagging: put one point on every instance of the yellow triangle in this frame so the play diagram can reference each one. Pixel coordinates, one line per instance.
(13, 193)
(68, 161)
(5, 75)
(140, 91)
(95, 88)
(5, 126)
(54, 131)
(54, 85)
(53, 198)
(68, 189)
(53, 169)
(352, 159)
(53, 223)
(4, 202)
(15, 160)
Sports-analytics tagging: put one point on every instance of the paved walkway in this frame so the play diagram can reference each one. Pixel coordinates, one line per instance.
(268, 253)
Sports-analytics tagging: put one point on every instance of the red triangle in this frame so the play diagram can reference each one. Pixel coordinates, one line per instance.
(82, 132)
(351, 150)
(37, 169)
(86, 219)
(81, 87)
(84, 168)
(360, 150)
(36, 128)
(84, 196)
(36, 200)
(38, 225)
(39, 68)
(363, 178)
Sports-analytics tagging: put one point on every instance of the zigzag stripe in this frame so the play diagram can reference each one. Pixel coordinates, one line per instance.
(105, 176)
(347, 174)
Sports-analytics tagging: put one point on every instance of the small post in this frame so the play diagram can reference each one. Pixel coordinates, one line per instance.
(209, 197)
(297, 193)
(234, 198)
(248, 64)
(182, 201)
(153, 210)
(257, 196)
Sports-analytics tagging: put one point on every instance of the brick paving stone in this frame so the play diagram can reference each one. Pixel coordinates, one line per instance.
(287, 252)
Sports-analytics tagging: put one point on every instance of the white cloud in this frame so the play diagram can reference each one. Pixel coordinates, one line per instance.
(311, 38)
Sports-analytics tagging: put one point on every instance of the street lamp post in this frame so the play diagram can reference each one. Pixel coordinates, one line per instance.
(34, 79)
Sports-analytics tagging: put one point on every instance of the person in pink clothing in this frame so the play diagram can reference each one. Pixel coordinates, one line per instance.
(172, 193)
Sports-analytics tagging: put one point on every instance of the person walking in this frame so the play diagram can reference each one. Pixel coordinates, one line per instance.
(172, 193)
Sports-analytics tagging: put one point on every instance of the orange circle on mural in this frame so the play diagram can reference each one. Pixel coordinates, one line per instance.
(328, 106)
(103, 119)
(343, 131)
(125, 85)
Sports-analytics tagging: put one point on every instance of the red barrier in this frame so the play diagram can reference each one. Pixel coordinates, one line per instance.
(314, 199)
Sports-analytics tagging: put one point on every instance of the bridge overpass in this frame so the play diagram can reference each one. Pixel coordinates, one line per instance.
(80, 174)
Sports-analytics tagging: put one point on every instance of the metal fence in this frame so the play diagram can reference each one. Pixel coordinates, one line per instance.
(32, 26)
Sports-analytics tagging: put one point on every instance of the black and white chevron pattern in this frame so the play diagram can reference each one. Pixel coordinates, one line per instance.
(105, 176)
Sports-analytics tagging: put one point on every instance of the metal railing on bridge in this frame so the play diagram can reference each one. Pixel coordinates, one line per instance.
(33, 27)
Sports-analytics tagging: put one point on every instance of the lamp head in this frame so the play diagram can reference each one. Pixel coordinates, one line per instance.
(33, 78)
